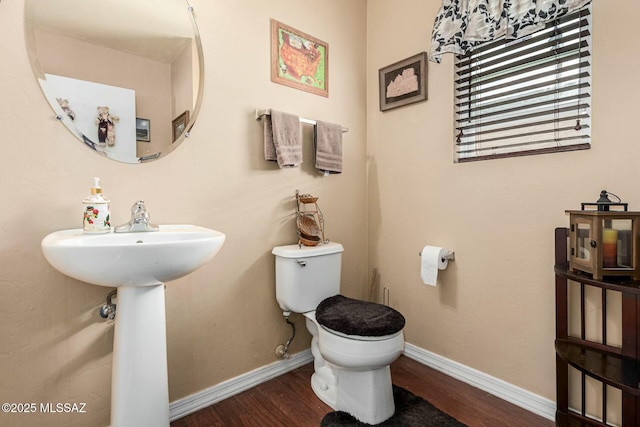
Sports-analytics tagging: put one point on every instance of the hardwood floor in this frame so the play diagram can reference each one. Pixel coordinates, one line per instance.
(289, 401)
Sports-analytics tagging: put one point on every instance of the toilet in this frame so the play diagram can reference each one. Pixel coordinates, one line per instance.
(353, 342)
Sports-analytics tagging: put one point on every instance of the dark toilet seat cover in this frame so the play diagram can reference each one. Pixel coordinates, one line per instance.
(354, 317)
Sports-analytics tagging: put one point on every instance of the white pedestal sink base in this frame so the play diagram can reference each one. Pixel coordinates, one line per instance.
(138, 264)
(139, 389)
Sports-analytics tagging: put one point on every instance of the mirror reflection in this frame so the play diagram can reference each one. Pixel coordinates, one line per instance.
(125, 77)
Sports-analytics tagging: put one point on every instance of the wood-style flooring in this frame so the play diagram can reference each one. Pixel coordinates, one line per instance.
(289, 401)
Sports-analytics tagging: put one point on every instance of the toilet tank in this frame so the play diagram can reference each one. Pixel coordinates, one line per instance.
(306, 275)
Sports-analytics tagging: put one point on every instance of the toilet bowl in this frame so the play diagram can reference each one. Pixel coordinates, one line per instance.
(353, 342)
(352, 373)
(355, 352)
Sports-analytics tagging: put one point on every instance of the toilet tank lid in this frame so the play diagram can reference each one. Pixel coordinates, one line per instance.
(296, 251)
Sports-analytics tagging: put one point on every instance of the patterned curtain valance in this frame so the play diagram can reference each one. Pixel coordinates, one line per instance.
(463, 24)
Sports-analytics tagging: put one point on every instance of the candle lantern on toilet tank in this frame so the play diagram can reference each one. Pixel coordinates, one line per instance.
(603, 238)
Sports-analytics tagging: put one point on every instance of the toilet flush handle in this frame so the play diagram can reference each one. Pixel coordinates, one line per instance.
(301, 263)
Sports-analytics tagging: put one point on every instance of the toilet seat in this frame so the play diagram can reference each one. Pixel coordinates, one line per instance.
(355, 319)
(360, 337)
(353, 351)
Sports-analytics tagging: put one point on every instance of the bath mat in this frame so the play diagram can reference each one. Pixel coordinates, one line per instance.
(411, 411)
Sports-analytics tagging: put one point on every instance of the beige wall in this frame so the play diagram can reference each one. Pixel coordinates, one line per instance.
(183, 87)
(222, 320)
(493, 308)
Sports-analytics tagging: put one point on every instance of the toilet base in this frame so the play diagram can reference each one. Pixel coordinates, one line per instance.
(366, 394)
(325, 392)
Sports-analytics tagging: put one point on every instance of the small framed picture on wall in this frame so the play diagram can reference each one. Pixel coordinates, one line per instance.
(143, 130)
(404, 82)
(179, 125)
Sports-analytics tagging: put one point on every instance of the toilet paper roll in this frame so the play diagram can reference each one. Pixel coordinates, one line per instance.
(432, 259)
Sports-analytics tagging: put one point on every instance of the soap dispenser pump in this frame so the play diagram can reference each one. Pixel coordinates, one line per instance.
(97, 216)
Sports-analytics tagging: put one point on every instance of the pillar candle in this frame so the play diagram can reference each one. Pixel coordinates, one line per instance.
(609, 248)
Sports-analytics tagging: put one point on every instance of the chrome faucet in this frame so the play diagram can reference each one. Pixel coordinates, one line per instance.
(139, 220)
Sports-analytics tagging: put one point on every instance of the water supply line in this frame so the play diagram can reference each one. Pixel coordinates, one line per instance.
(108, 311)
(282, 350)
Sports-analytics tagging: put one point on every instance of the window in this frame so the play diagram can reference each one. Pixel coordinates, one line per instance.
(526, 96)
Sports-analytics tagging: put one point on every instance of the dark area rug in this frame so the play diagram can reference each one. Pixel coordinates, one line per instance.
(411, 411)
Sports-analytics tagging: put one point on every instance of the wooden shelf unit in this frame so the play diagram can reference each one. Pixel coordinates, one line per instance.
(618, 367)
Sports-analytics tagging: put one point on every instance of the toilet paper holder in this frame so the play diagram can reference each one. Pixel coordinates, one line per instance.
(451, 256)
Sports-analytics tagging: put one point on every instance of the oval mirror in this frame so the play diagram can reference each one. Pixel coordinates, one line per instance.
(125, 76)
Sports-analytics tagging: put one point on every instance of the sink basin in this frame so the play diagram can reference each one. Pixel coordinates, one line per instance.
(137, 264)
(132, 259)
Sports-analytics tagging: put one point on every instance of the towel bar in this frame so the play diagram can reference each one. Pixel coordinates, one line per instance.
(262, 113)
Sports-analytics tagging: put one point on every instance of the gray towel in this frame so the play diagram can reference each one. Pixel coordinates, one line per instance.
(328, 142)
(282, 139)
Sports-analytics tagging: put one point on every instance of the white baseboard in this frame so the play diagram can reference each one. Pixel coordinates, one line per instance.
(497, 387)
(207, 397)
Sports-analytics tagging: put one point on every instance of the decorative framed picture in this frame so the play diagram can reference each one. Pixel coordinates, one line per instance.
(143, 130)
(179, 124)
(404, 82)
(299, 60)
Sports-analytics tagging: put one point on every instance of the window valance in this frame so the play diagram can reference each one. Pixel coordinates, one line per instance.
(463, 24)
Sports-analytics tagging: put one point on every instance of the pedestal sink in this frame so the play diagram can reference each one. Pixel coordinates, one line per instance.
(138, 264)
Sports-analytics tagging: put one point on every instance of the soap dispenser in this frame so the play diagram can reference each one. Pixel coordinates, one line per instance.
(97, 215)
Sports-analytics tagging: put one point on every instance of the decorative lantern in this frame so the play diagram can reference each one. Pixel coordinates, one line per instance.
(604, 242)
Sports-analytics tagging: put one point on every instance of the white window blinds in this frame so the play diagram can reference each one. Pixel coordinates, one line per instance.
(526, 96)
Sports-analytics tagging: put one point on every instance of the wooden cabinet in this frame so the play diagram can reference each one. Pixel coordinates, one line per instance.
(612, 366)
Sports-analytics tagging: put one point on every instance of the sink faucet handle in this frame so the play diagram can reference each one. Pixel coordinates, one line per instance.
(139, 212)
(138, 207)
(139, 220)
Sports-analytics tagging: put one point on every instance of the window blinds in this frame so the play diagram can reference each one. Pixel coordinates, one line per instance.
(526, 96)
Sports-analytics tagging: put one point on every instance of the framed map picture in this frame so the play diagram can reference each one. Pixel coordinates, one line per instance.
(299, 60)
